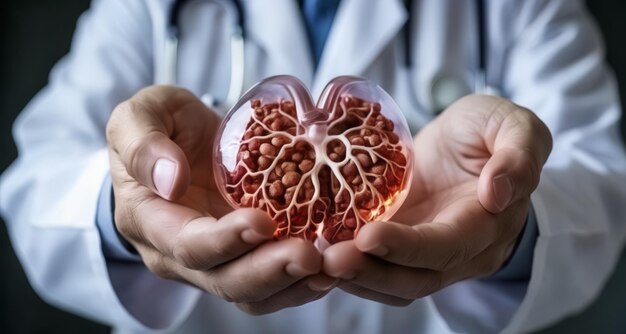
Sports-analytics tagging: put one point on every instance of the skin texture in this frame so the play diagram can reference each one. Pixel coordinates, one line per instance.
(461, 219)
(475, 168)
(188, 232)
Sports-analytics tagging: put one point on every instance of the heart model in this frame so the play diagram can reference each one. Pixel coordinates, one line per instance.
(320, 171)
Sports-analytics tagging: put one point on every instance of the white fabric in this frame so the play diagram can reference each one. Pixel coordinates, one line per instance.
(544, 55)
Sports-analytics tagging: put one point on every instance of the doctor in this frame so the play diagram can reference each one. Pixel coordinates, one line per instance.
(476, 248)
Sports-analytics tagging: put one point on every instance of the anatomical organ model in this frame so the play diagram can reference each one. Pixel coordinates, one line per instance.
(318, 171)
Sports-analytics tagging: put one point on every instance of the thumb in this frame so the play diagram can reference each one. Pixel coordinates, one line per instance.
(509, 175)
(519, 143)
(159, 164)
(139, 135)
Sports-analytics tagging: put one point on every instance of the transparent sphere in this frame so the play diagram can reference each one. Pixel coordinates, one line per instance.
(320, 171)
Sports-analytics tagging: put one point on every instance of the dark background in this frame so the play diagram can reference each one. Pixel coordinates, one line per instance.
(36, 33)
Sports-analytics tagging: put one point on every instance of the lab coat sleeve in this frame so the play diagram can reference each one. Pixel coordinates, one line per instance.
(49, 195)
(551, 60)
(556, 68)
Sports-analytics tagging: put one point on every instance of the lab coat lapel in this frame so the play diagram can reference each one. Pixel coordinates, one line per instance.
(361, 30)
(277, 27)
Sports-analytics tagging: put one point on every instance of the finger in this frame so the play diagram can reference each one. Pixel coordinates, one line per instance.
(195, 241)
(297, 294)
(343, 260)
(483, 265)
(435, 246)
(257, 294)
(519, 143)
(140, 132)
(205, 243)
(365, 293)
(321, 282)
(261, 273)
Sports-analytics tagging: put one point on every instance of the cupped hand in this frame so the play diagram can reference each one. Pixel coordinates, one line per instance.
(170, 209)
(475, 168)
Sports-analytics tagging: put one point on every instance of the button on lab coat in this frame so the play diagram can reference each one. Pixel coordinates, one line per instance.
(544, 55)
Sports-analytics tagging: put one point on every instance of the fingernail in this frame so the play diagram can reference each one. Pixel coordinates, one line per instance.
(503, 190)
(163, 176)
(297, 271)
(253, 237)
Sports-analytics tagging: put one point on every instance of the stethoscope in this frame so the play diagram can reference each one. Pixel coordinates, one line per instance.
(237, 37)
(444, 89)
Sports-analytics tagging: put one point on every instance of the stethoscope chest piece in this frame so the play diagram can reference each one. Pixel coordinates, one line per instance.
(445, 88)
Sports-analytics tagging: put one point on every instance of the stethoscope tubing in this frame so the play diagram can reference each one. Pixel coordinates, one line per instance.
(237, 46)
(237, 49)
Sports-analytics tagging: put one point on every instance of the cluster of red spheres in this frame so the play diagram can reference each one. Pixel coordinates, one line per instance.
(327, 188)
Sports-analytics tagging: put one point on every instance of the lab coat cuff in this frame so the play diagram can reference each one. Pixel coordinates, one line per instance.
(113, 245)
(143, 302)
(519, 265)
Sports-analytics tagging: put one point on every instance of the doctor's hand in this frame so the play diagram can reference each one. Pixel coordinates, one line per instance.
(169, 208)
(475, 168)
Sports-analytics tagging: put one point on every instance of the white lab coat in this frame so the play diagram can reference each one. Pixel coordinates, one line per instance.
(545, 55)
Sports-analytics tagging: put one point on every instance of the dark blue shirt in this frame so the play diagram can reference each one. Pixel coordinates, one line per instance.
(318, 18)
